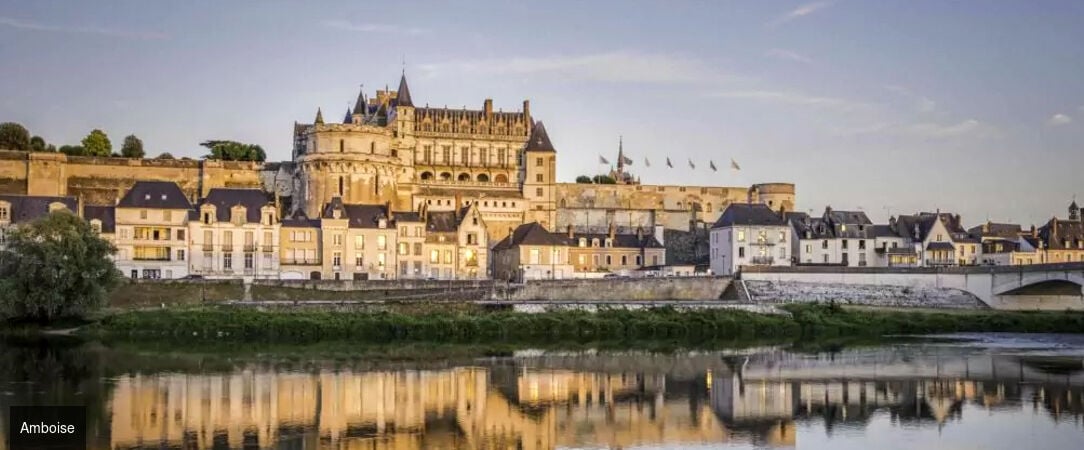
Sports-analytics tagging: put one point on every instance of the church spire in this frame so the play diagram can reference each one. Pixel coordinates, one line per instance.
(359, 106)
(403, 95)
(620, 153)
(349, 118)
(319, 117)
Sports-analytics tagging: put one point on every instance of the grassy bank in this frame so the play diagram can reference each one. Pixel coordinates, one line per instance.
(665, 324)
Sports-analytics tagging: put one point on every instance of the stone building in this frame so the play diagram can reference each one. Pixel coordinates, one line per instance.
(300, 253)
(1062, 240)
(151, 223)
(359, 241)
(749, 234)
(613, 252)
(235, 233)
(531, 252)
(16, 210)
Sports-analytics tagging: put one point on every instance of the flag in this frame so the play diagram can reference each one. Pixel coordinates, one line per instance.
(668, 163)
(626, 160)
(602, 160)
(647, 163)
(734, 164)
(712, 165)
(691, 164)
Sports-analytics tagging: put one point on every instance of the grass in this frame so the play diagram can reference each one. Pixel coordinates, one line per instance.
(449, 326)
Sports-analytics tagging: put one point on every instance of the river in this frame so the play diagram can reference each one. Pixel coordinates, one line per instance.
(977, 391)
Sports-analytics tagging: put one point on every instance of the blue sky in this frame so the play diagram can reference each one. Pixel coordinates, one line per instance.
(888, 106)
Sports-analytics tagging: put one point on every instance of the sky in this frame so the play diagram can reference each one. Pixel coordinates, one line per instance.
(890, 107)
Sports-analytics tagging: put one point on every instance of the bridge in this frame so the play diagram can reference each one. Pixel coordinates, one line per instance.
(1026, 287)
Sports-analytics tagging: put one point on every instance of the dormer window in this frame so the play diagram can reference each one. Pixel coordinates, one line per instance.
(5, 212)
(583, 242)
(382, 223)
(163, 197)
(594, 242)
(609, 243)
(207, 217)
(96, 225)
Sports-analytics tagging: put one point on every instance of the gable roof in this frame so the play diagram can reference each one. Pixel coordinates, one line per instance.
(357, 215)
(446, 221)
(106, 214)
(621, 240)
(300, 220)
(1056, 232)
(224, 199)
(748, 214)
(539, 140)
(155, 194)
(27, 208)
(534, 234)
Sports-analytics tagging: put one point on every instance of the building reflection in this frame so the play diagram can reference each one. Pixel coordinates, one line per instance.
(516, 407)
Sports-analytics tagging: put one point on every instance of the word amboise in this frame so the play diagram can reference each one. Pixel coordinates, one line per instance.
(46, 428)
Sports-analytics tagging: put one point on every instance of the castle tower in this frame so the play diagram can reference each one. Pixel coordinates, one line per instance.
(1074, 211)
(540, 173)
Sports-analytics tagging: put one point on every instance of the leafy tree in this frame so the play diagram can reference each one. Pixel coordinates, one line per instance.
(165, 155)
(37, 144)
(97, 144)
(73, 150)
(234, 151)
(583, 179)
(604, 179)
(132, 148)
(55, 267)
(14, 137)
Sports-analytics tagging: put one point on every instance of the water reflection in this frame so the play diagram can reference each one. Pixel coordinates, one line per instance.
(758, 397)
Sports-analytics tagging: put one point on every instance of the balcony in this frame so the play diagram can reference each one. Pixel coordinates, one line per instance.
(301, 262)
(249, 248)
(762, 260)
(208, 247)
(763, 243)
(227, 248)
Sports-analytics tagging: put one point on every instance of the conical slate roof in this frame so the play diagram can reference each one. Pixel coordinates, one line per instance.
(539, 140)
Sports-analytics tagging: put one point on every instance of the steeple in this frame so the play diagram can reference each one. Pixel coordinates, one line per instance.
(539, 141)
(1074, 210)
(319, 117)
(620, 153)
(403, 96)
(359, 106)
(348, 118)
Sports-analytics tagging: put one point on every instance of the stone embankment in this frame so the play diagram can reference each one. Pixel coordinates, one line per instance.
(772, 292)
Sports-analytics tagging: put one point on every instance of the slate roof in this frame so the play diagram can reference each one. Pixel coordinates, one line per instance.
(357, 215)
(224, 199)
(445, 221)
(406, 216)
(539, 140)
(621, 240)
(940, 246)
(27, 208)
(531, 234)
(993, 229)
(1056, 231)
(155, 194)
(748, 214)
(402, 97)
(847, 217)
(106, 214)
(300, 220)
(905, 225)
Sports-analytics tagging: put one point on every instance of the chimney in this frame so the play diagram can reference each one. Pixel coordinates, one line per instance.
(570, 231)
(613, 230)
(527, 109)
(639, 234)
(1033, 234)
(458, 201)
(510, 233)
(916, 231)
(488, 108)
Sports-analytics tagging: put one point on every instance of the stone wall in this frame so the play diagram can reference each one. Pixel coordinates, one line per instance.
(618, 289)
(773, 292)
(687, 247)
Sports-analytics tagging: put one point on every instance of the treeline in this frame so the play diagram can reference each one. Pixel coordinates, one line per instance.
(504, 326)
(14, 136)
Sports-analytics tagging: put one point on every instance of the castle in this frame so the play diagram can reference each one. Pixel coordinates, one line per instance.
(389, 149)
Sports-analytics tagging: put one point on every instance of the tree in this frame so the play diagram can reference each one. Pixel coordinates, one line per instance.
(604, 179)
(97, 144)
(234, 151)
(55, 267)
(73, 150)
(132, 148)
(165, 155)
(14, 137)
(37, 144)
(583, 179)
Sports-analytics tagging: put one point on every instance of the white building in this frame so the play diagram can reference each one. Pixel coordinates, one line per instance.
(748, 234)
(938, 239)
(152, 231)
(235, 234)
(841, 238)
(16, 210)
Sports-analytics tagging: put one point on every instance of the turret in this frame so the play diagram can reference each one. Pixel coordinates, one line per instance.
(319, 117)
(1074, 211)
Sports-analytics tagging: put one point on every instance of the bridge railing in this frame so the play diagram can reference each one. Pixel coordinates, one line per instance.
(1055, 267)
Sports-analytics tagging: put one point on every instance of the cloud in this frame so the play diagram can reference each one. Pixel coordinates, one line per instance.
(373, 27)
(793, 98)
(619, 66)
(1058, 120)
(787, 55)
(801, 11)
(923, 104)
(926, 130)
(34, 26)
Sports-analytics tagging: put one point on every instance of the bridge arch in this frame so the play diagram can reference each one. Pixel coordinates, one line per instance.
(1005, 284)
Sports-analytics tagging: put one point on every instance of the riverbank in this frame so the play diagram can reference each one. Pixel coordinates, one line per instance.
(232, 324)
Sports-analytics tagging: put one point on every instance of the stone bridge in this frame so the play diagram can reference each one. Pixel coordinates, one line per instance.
(1027, 287)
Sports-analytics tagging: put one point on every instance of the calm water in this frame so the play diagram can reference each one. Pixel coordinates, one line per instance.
(990, 391)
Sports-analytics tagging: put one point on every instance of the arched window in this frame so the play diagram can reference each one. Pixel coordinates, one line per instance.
(372, 147)
(483, 178)
(709, 207)
(583, 242)
(445, 176)
(427, 175)
(342, 146)
(464, 177)
(594, 242)
(500, 178)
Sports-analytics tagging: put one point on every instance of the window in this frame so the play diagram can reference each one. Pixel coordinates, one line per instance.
(624, 260)
(5, 213)
(824, 243)
(227, 241)
(861, 244)
(582, 258)
(372, 147)
(639, 260)
(227, 261)
(538, 192)
(741, 235)
(434, 256)
(417, 249)
(342, 146)
(447, 257)
(180, 234)
(609, 260)
(382, 242)
(538, 162)
(337, 259)
(359, 260)
(404, 248)
(783, 253)
(180, 255)
(741, 252)
(166, 216)
(143, 214)
(248, 260)
(844, 244)
(538, 177)
(826, 259)
(535, 256)
(472, 239)
(782, 236)
(337, 239)
(583, 242)
(381, 260)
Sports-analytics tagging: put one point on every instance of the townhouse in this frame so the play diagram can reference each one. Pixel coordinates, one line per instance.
(16, 210)
(151, 224)
(234, 233)
(530, 252)
(748, 234)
